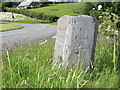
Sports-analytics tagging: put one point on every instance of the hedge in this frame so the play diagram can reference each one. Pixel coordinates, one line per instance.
(33, 14)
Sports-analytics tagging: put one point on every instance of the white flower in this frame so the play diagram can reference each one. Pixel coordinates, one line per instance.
(100, 16)
(93, 8)
(99, 7)
(107, 37)
(116, 31)
(109, 27)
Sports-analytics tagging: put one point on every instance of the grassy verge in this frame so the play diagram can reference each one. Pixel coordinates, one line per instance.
(60, 9)
(30, 22)
(8, 27)
(31, 66)
(23, 21)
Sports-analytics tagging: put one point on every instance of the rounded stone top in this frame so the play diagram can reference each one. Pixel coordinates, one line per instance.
(69, 17)
(85, 16)
(77, 16)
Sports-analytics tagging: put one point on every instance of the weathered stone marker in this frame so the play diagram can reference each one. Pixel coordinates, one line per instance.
(76, 37)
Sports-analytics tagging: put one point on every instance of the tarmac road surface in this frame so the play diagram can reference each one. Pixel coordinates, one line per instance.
(30, 32)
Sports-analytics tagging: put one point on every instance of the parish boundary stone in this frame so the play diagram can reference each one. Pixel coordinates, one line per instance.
(76, 39)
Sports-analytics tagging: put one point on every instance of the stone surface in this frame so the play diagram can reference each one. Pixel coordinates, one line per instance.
(76, 40)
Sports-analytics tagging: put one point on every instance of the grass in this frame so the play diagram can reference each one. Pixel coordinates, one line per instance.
(27, 21)
(24, 21)
(31, 22)
(8, 27)
(31, 66)
(61, 9)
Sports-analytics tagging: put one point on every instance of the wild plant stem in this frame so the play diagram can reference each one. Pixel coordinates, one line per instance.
(9, 64)
(114, 57)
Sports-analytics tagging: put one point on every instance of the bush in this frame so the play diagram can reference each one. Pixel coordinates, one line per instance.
(108, 24)
(88, 6)
(95, 13)
(32, 14)
(91, 8)
(111, 7)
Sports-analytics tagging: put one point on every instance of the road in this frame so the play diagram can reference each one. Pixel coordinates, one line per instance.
(30, 32)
